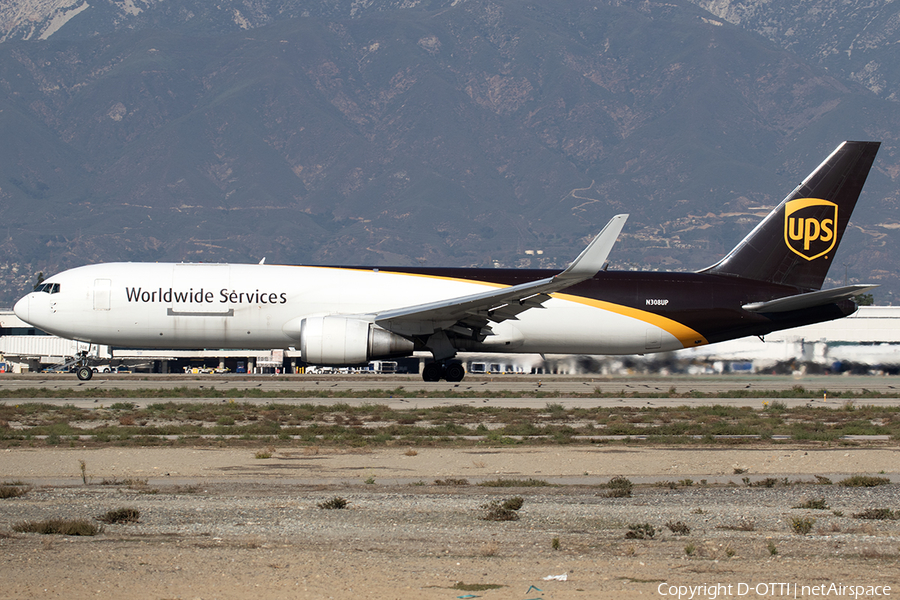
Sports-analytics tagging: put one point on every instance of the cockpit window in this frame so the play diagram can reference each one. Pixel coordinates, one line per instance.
(48, 288)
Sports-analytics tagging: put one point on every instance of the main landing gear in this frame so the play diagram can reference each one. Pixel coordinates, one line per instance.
(451, 371)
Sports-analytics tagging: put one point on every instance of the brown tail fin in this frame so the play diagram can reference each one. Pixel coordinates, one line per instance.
(795, 244)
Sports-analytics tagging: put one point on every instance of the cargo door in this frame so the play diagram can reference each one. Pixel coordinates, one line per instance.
(102, 293)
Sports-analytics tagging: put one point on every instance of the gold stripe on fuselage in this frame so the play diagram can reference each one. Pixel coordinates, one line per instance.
(688, 337)
(684, 334)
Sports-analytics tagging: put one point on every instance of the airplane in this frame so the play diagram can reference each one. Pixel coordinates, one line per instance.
(344, 316)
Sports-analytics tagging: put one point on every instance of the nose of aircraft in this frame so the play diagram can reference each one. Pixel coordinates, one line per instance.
(22, 308)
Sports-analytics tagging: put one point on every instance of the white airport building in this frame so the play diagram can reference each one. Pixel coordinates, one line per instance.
(868, 340)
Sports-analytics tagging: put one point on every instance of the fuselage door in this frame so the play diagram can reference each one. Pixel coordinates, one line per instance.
(652, 340)
(101, 294)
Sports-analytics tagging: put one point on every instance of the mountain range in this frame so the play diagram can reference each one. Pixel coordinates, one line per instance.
(454, 132)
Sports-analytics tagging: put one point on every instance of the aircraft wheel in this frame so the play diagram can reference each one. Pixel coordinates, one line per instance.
(84, 373)
(432, 372)
(455, 372)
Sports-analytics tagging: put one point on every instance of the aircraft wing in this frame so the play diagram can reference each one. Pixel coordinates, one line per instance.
(470, 315)
(809, 299)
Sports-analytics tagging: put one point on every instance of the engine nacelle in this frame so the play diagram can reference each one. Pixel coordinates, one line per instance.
(335, 340)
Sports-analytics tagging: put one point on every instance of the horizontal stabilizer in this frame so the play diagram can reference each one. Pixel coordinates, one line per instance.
(809, 300)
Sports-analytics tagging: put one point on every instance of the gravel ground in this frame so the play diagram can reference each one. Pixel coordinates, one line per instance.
(220, 530)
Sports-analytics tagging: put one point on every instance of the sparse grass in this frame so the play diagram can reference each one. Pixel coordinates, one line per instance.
(120, 516)
(530, 482)
(767, 482)
(132, 482)
(690, 549)
(334, 503)
(555, 544)
(864, 481)
(207, 421)
(814, 504)
(475, 587)
(770, 546)
(59, 527)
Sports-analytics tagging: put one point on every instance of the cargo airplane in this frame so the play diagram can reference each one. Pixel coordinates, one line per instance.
(350, 315)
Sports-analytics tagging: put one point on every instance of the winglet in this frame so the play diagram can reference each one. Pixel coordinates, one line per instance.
(592, 258)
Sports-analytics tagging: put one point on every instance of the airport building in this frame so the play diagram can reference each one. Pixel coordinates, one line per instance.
(867, 341)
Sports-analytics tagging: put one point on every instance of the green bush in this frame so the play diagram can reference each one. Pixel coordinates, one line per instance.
(802, 525)
(619, 487)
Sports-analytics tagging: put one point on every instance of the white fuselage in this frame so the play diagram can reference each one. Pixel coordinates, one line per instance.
(165, 305)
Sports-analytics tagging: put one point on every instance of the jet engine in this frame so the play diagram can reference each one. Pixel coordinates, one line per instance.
(336, 340)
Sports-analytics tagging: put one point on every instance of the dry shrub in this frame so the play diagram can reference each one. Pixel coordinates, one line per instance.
(678, 528)
(335, 503)
(640, 531)
(12, 491)
(864, 481)
(619, 487)
(120, 516)
(880, 514)
(59, 527)
(503, 511)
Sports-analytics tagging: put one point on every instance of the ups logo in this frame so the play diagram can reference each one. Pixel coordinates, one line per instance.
(809, 226)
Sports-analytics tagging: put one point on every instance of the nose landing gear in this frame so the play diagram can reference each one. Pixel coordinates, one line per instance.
(451, 371)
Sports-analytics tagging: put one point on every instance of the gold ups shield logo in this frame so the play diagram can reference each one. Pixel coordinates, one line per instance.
(809, 225)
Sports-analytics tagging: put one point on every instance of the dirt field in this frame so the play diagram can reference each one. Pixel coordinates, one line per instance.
(221, 523)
